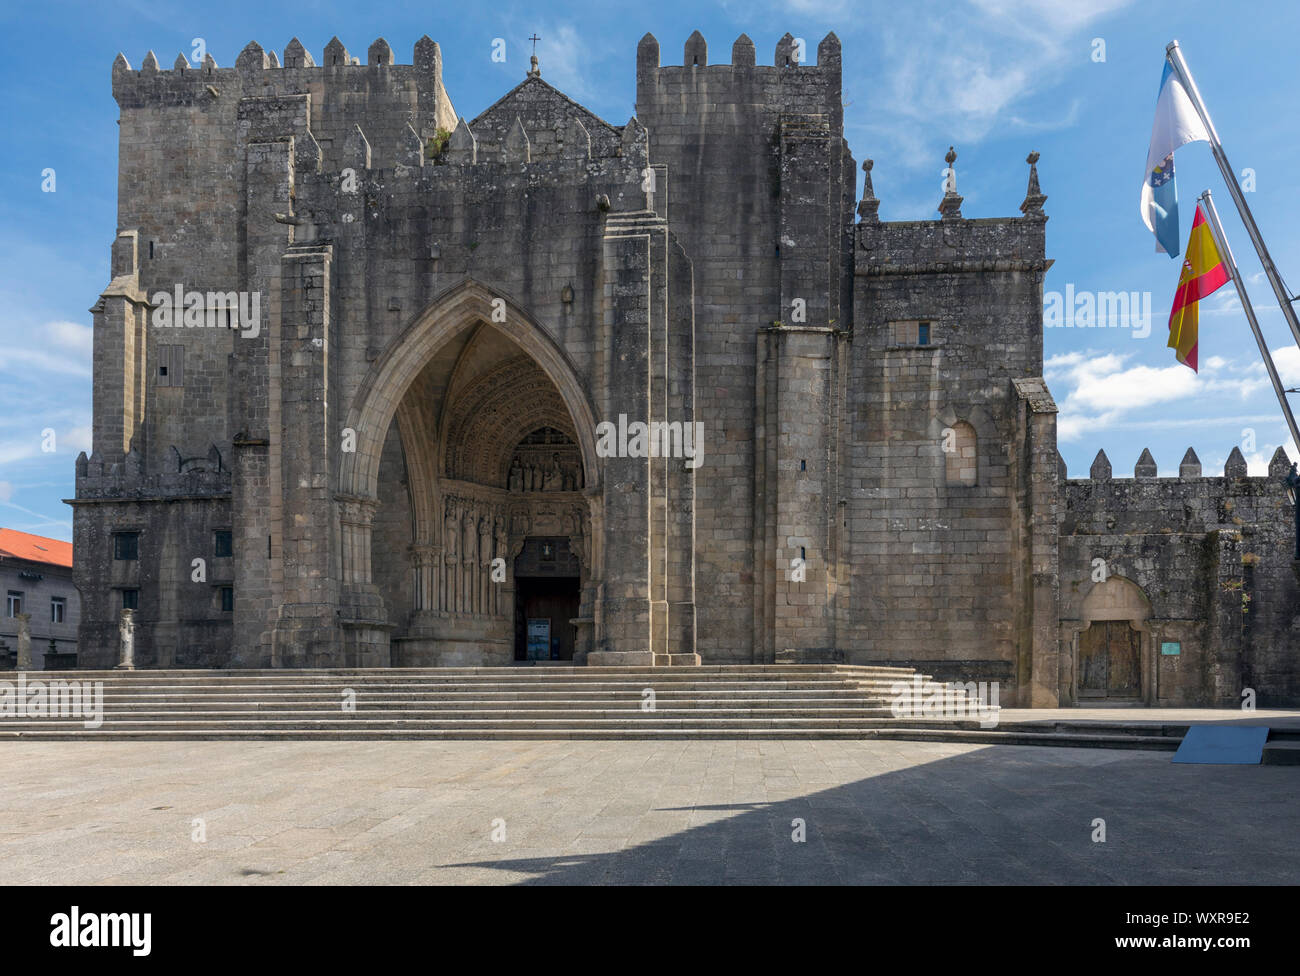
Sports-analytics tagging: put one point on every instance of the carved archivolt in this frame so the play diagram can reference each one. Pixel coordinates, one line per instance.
(494, 413)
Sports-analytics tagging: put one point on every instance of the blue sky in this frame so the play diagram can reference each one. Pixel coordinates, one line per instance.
(996, 78)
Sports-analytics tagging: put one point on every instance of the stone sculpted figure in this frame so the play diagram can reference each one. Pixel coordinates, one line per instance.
(469, 539)
(469, 563)
(499, 531)
(515, 481)
(484, 587)
(451, 543)
(553, 479)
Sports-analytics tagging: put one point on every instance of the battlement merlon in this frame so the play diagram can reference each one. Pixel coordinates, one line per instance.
(1252, 506)
(952, 243)
(790, 84)
(1235, 470)
(345, 92)
(791, 53)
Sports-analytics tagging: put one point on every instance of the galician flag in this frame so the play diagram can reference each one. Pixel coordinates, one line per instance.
(1176, 125)
(1203, 272)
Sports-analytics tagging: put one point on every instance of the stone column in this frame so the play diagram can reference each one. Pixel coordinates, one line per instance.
(24, 641)
(796, 469)
(627, 314)
(119, 354)
(306, 633)
(126, 640)
(1038, 502)
(424, 557)
(363, 613)
(484, 584)
(257, 478)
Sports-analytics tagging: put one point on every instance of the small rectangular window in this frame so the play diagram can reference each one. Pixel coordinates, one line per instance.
(911, 333)
(222, 543)
(58, 609)
(14, 603)
(902, 333)
(171, 365)
(130, 599)
(126, 545)
(227, 598)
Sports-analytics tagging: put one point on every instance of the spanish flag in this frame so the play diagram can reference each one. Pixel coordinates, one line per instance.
(1203, 273)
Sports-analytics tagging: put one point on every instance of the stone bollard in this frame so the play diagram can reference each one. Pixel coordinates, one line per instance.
(126, 640)
(24, 641)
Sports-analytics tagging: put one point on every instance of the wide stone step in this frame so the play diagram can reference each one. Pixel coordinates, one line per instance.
(196, 678)
(463, 683)
(576, 713)
(629, 721)
(532, 734)
(333, 707)
(332, 697)
(1283, 752)
(574, 671)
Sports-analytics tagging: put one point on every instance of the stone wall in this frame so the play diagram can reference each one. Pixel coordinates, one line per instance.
(940, 568)
(1213, 557)
(180, 621)
(758, 187)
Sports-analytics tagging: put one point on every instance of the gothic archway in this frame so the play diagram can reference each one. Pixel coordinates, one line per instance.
(461, 392)
(461, 307)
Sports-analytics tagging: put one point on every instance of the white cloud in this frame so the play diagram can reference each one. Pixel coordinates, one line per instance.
(57, 347)
(1287, 361)
(963, 72)
(820, 9)
(1099, 392)
(1257, 461)
(78, 439)
(72, 336)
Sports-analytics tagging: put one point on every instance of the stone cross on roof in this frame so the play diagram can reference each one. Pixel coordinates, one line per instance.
(534, 71)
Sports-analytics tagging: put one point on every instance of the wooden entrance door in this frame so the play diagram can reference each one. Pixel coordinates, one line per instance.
(1110, 661)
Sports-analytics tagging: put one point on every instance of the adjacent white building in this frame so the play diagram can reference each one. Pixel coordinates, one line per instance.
(36, 579)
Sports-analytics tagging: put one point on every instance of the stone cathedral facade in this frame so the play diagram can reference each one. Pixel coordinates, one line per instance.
(377, 385)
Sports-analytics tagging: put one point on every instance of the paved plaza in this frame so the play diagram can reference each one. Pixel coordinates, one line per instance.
(574, 812)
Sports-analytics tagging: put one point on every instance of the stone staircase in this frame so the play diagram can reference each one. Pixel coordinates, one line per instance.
(544, 701)
(549, 701)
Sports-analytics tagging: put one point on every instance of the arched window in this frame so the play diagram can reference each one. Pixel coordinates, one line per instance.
(961, 460)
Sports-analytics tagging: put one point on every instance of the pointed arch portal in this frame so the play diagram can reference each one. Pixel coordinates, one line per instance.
(482, 418)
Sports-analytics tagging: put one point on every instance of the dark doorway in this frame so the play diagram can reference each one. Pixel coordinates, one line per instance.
(545, 607)
(548, 594)
(1110, 661)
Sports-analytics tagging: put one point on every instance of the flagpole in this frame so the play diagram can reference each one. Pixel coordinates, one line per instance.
(1225, 252)
(1175, 56)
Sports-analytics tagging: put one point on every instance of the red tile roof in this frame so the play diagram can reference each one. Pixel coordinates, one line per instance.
(35, 548)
